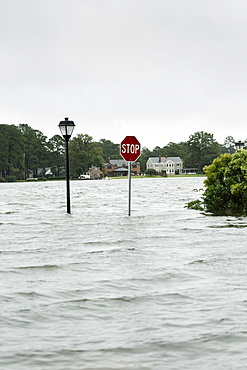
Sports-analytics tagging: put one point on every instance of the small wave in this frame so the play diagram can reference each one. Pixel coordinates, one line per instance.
(237, 226)
(197, 261)
(38, 267)
(32, 294)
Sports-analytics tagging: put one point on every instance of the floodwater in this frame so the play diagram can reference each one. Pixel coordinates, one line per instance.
(165, 288)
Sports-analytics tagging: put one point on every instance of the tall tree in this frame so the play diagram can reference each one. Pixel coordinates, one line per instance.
(202, 149)
(83, 150)
(110, 150)
(228, 146)
(56, 146)
(11, 150)
(35, 148)
(145, 154)
(175, 150)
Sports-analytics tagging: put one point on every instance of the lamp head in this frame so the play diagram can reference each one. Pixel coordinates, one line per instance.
(66, 128)
(239, 145)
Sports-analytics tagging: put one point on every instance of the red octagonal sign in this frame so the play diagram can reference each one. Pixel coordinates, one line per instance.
(130, 149)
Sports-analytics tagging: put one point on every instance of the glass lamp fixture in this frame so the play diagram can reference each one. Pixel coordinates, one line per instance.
(66, 128)
(239, 145)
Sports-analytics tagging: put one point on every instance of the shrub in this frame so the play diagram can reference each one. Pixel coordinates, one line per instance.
(226, 185)
(150, 171)
(195, 204)
(10, 178)
(2, 179)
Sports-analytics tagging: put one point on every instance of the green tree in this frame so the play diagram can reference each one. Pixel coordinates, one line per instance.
(202, 149)
(145, 154)
(82, 152)
(110, 150)
(36, 151)
(11, 151)
(97, 161)
(158, 151)
(56, 145)
(175, 150)
(228, 146)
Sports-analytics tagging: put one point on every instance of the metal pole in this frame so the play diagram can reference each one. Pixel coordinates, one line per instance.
(129, 185)
(67, 175)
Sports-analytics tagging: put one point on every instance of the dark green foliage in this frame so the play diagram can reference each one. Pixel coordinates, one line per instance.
(56, 156)
(10, 178)
(110, 150)
(145, 154)
(84, 153)
(228, 146)
(150, 171)
(2, 179)
(11, 151)
(195, 204)
(36, 151)
(202, 150)
(226, 184)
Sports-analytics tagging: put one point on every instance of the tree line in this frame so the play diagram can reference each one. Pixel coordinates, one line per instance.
(24, 149)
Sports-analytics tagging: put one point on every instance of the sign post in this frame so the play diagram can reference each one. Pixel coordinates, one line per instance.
(130, 150)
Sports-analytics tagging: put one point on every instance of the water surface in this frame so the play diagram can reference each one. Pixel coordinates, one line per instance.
(97, 289)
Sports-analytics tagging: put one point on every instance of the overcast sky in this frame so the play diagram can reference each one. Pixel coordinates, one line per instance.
(157, 69)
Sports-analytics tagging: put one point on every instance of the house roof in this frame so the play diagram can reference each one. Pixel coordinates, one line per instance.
(121, 169)
(165, 159)
(93, 168)
(118, 162)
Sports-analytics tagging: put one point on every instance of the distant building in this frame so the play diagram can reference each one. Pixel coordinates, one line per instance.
(95, 173)
(28, 174)
(119, 167)
(170, 165)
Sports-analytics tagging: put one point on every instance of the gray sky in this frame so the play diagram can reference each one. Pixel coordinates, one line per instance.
(157, 69)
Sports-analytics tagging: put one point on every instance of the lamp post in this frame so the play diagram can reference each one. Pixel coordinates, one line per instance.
(239, 145)
(66, 128)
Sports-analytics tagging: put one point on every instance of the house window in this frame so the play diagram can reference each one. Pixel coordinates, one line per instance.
(109, 173)
(178, 164)
(109, 167)
(134, 166)
(156, 165)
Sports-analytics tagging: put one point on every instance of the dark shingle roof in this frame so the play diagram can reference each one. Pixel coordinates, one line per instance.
(118, 162)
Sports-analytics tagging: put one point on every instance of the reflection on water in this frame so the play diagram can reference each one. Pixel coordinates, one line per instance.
(97, 289)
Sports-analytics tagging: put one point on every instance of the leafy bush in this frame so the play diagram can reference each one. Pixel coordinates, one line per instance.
(226, 184)
(2, 179)
(195, 204)
(10, 178)
(150, 171)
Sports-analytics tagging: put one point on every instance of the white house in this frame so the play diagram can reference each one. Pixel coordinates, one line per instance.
(168, 164)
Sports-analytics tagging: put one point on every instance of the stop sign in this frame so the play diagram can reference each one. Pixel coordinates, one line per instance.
(130, 149)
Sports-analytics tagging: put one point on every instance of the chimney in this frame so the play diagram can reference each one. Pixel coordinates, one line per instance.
(109, 160)
(159, 158)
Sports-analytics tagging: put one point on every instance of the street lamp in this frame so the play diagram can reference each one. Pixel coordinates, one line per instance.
(239, 145)
(66, 128)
